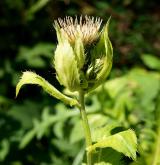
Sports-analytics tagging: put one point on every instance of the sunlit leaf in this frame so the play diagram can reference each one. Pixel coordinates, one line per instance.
(124, 142)
(33, 78)
(115, 86)
(104, 131)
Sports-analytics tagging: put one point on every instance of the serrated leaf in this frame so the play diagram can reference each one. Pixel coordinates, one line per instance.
(124, 142)
(104, 131)
(33, 78)
(109, 156)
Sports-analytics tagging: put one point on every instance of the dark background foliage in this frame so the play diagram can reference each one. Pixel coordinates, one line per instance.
(28, 41)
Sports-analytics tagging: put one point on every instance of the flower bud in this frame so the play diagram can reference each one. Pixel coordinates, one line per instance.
(83, 58)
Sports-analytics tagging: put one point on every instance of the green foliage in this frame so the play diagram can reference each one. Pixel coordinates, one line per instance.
(129, 101)
(66, 63)
(35, 57)
(33, 78)
(104, 121)
(35, 8)
(125, 142)
(151, 61)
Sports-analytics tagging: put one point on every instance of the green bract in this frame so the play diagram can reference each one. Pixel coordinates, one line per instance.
(66, 66)
(83, 57)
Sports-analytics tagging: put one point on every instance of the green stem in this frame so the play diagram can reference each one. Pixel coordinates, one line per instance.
(157, 151)
(85, 126)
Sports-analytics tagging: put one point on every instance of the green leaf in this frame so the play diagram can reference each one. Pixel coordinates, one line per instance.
(77, 133)
(79, 52)
(108, 156)
(42, 127)
(33, 56)
(148, 84)
(124, 142)
(151, 61)
(104, 131)
(27, 138)
(115, 86)
(4, 149)
(33, 78)
(79, 156)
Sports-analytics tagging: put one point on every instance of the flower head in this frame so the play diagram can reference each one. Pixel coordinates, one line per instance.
(80, 64)
(86, 28)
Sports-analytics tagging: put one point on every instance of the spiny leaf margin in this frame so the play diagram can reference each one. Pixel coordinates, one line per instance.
(32, 78)
(124, 142)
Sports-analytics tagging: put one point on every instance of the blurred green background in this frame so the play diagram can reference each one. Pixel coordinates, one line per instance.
(36, 129)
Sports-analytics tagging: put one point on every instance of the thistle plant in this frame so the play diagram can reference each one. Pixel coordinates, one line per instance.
(82, 60)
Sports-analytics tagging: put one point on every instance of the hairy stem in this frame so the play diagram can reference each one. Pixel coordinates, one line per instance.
(85, 126)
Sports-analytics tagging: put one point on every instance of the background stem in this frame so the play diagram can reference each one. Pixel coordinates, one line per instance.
(85, 126)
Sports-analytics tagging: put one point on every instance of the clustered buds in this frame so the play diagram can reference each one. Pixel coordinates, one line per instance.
(83, 57)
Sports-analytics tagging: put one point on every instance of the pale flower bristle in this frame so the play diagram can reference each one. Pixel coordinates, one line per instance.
(86, 27)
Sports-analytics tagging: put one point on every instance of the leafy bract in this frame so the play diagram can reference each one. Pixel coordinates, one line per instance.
(108, 54)
(79, 52)
(66, 66)
(33, 78)
(124, 142)
(102, 55)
